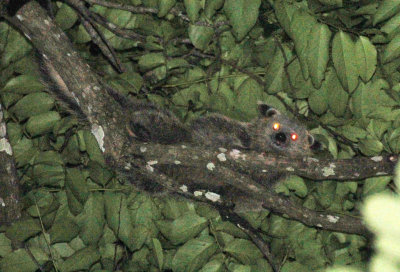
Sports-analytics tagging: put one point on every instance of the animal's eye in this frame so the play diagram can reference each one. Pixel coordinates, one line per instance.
(276, 126)
(294, 136)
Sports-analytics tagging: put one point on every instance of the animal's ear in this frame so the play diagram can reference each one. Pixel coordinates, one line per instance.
(266, 111)
(314, 144)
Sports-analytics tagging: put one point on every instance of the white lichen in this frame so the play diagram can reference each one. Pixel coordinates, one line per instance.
(19, 17)
(332, 218)
(183, 146)
(128, 166)
(5, 146)
(221, 157)
(377, 158)
(329, 171)
(3, 130)
(46, 22)
(214, 197)
(98, 133)
(152, 162)
(311, 159)
(221, 149)
(143, 149)
(291, 169)
(381, 174)
(198, 193)
(177, 162)
(184, 188)
(235, 153)
(149, 168)
(2, 203)
(210, 166)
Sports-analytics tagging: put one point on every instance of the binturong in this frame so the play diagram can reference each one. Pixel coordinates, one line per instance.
(271, 131)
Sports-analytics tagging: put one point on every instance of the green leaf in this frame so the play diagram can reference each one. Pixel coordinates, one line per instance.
(366, 58)
(5, 245)
(300, 28)
(386, 9)
(394, 140)
(353, 133)
(23, 229)
(158, 253)
(66, 17)
(318, 53)
(242, 15)
(212, 6)
(183, 228)
(343, 56)
(370, 146)
(193, 8)
(118, 17)
(91, 221)
(194, 254)
(23, 84)
(296, 184)
(369, 98)
(64, 229)
(284, 11)
(392, 50)
(17, 46)
(337, 97)
(91, 140)
(392, 27)
(42, 123)
(200, 36)
(375, 185)
(318, 101)
(248, 94)
(294, 266)
(81, 260)
(326, 193)
(22, 261)
(24, 152)
(99, 173)
(151, 60)
(275, 76)
(244, 251)
(76, 184)
(165, 6)
(213, 266)
(119, 219)
(334, 3)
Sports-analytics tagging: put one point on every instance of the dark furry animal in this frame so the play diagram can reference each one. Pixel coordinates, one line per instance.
(270, 132)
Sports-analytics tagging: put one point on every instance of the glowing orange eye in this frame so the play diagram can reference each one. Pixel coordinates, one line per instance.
(293, 136)
(276, 126)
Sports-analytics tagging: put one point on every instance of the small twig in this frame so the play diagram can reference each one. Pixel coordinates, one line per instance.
(124, 33)
(96, 35)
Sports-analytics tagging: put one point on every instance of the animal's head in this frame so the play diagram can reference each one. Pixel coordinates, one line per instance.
(277, 133)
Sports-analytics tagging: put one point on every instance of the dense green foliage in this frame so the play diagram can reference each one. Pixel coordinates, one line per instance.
(336, 63)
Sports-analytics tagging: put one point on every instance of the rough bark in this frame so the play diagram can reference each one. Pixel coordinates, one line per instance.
(10, 210)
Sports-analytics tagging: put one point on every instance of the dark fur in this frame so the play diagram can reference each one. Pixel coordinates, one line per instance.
(153, 124)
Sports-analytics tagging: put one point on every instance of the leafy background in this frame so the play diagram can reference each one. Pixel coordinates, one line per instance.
(334, 63)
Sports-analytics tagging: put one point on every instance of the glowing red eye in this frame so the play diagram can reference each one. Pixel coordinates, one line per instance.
(276, 126)
(293, 136)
